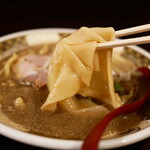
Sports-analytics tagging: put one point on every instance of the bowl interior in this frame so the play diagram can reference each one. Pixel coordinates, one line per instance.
(21, 40)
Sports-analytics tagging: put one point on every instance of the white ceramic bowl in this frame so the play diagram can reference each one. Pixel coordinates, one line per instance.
(45, 142)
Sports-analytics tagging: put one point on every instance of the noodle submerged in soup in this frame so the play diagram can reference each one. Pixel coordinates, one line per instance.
(23, 84)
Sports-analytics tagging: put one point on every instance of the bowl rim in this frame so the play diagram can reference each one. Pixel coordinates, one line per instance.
(46, 142)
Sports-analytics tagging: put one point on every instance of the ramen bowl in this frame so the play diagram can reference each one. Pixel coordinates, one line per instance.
(23, 39)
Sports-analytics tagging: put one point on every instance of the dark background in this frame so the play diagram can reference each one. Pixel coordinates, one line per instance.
(17, 15)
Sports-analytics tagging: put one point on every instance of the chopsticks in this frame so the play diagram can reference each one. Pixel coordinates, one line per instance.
(133, 30)
(127, 42)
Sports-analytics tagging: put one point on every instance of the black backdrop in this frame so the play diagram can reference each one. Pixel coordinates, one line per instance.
(17, 15)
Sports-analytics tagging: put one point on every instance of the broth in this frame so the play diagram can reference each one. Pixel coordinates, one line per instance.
(62, 124)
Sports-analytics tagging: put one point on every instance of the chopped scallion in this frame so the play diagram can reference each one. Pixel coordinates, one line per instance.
(117, 86)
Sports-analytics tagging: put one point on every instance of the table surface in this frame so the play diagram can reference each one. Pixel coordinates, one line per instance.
(20, 15)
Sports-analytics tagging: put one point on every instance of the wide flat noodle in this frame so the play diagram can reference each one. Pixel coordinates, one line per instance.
(83, 107)
(78, 68)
